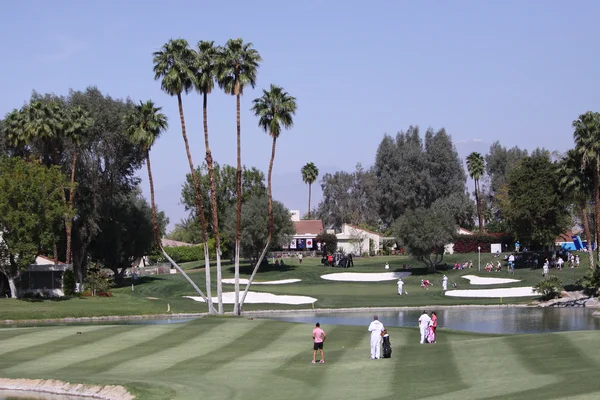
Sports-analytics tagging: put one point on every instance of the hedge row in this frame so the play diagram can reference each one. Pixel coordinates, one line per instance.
(469, 243)
(183, 254)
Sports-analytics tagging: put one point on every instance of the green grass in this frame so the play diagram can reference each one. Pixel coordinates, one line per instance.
(237, 358)
(151, 295)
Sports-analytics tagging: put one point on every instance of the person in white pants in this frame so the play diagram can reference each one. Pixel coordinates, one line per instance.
(424, 321)
(445, 283)
(400, 286)
(376, 328)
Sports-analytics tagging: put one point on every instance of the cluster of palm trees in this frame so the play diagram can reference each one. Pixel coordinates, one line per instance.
(36, 130)
(578, 172)
(233, 67)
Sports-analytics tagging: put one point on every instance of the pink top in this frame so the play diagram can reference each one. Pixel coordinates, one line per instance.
(434, 320)
(318, 334)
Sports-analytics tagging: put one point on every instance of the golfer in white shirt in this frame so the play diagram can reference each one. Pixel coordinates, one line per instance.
(424, 321)
(376, 328)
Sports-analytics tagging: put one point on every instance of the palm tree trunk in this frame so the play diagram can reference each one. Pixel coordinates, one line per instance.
(586, 229)
(199, 203)
(238, 221)
(152, 201)
(271, 228)
(309, 186)
(69, 219)
(269, 190)
(213, 195)
(597, 206)
(479, 216)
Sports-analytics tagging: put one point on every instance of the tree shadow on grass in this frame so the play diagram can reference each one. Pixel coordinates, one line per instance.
(142, 280)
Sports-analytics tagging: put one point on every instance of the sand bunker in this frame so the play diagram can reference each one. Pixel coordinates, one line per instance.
(108, 392)
(365, 276)
(259, 297)
(478, 280)
(245, 281)
(523, 291)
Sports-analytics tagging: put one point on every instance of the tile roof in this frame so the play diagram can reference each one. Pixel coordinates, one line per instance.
(312, 226)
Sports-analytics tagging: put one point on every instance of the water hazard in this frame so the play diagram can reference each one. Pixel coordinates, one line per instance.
(506, 320)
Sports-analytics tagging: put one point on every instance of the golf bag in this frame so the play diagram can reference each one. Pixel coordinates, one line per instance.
(430, 335)
(387, 346)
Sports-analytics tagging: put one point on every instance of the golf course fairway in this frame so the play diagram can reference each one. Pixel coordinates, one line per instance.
(241, 358)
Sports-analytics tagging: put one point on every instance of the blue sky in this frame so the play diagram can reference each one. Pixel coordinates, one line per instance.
(515, 71)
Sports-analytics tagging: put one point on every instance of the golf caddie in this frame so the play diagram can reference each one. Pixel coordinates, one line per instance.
(376, 328)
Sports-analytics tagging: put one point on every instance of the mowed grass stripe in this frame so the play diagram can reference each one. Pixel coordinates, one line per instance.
(202, 341)
(145, 346)
(486, 366)
(63, 340)
(425, 370)
(89, 352)
(555, 355)
(36, 336)
(258, 335)
(250, 372)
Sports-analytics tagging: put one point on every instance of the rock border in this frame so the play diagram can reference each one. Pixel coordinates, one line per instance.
(51, 386)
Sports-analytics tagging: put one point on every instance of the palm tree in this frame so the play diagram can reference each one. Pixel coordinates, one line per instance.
(175, 66)
(576, 183)
(237, 66)
(476, 167)
(144, 125)
(76, 124)
(587, 145)
(310, 173)
(205, 82)
(16, 133)
(275, 110)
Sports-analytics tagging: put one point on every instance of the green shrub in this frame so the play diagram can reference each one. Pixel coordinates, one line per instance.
(183, 254)
(96, 282)
(69, 282)
(330, 241)
(549, 288)
(591, 282)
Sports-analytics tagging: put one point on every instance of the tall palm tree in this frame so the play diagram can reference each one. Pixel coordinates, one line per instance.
(275, 110)
(310, 173)
(76, 124)
(144, 125)
(175, 66)
(587, 145)
(476, 167)
(16, 133)
(205, 83)
(576, 183)
(237, 66)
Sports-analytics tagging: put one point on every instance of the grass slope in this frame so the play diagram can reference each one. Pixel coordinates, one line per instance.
(152, 294)
(237, 358)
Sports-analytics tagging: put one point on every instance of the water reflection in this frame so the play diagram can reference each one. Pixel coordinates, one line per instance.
(510, 320)
(139, 321)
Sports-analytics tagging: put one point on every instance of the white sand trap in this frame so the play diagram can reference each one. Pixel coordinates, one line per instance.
(245, 281)
(365, 276)
(259, 297)
(523, 291)
(478, 280)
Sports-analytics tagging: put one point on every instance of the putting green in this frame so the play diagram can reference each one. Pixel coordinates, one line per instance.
(238, 358)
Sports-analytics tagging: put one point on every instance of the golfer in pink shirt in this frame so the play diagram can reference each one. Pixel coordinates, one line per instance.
(319, 337)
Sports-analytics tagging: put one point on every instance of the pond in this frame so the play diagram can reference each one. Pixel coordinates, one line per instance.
(502, 320)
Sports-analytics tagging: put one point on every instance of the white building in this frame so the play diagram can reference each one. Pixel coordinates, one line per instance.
(356, 241)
